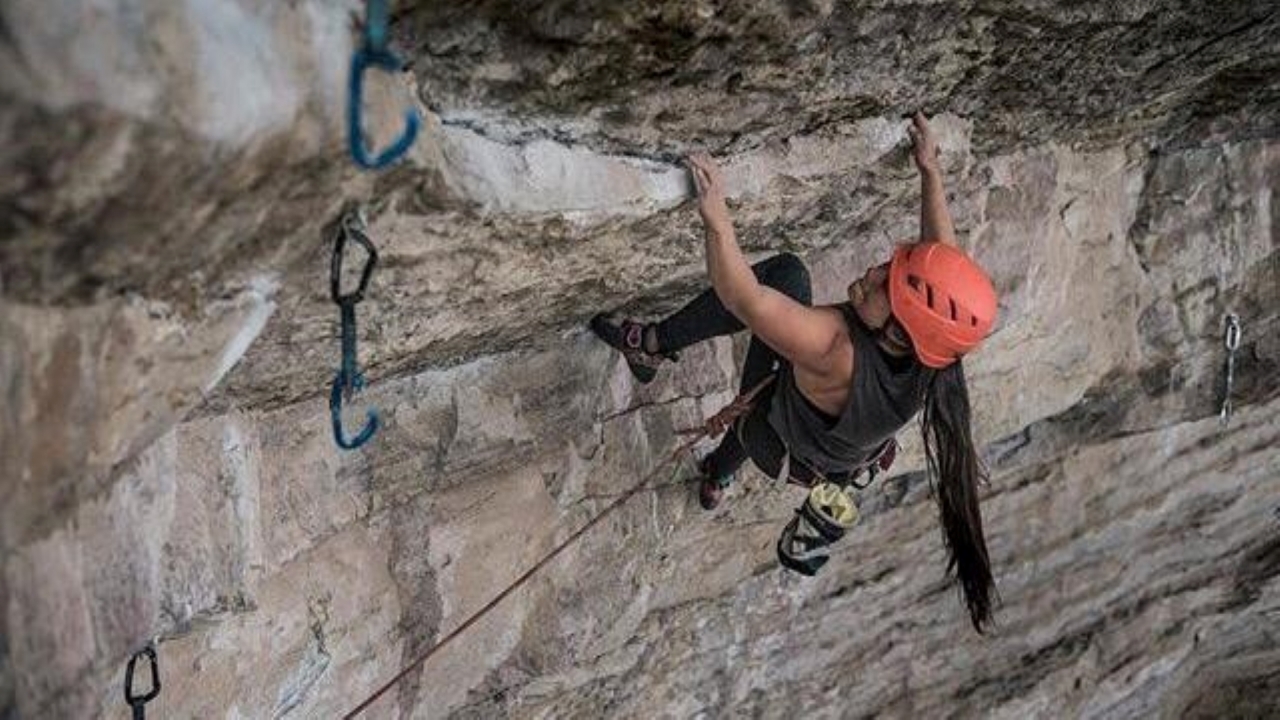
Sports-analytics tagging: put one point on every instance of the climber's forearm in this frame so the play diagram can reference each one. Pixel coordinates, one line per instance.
(729, 270)
(935, 219)
(731, 276)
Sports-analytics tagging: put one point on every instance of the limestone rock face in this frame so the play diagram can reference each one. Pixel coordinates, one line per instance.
(655, 77)
(173, 176)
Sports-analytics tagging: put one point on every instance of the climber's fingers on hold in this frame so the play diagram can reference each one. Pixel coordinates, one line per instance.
(706, 172)
(921, 133)
(697, 167)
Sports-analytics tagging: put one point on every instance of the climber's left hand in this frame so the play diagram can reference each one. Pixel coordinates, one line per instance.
(924, 145)
(709, 182)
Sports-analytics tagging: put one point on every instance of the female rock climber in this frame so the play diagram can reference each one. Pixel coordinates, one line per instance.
(848, 375)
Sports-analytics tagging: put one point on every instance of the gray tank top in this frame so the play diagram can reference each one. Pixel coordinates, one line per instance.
(882, 398)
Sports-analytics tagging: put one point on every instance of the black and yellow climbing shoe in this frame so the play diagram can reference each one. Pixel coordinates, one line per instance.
(826, 515)
(627, 337)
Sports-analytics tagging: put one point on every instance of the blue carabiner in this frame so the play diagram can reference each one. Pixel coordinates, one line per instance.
(374, 53)
(335, 409)
(375, 24)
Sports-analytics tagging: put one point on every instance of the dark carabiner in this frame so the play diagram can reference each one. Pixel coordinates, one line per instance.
(349, 229)
(139, 702)
(349, 378)
(363, 59)
(342, 384)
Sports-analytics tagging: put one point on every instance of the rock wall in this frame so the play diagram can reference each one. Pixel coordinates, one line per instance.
(173, 173)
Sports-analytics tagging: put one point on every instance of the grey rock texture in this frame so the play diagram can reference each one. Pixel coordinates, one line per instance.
(172, 176)
(654, 77)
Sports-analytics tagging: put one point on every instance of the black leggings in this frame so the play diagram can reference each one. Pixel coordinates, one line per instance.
(705, 317)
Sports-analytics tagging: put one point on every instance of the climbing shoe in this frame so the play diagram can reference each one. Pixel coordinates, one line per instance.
(826, 515)
(711, 489)
(627, 338)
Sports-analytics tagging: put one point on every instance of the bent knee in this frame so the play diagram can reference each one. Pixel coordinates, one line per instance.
(790, 276)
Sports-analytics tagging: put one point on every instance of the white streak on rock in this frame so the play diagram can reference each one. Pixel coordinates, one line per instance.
(246, 84)
(545, 176)
(260, 308)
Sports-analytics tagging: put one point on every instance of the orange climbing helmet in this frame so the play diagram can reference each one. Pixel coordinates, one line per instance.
(944, 301)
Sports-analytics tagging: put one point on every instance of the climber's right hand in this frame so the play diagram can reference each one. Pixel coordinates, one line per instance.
(711, 198)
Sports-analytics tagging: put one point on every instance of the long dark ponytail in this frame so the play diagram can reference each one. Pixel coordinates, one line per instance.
(952, 459)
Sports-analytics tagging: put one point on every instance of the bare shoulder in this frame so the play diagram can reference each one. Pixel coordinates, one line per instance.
(838, 363)
(827, 383)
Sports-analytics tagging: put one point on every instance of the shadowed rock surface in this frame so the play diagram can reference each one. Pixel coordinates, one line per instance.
(172, 177)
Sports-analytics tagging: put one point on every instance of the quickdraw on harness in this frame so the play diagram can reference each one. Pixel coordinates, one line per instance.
(349, 378)
(139, 701)
(373, 52)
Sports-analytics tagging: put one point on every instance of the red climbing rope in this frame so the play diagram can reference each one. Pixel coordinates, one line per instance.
(714, 426)
(717, 424)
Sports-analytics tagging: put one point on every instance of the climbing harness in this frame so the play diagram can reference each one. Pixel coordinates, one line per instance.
(723, 420)
(827, 512)
(826, 515)
(1231, 340)
(374, 53)
(349, 378)
(139, 702)
(879, 462)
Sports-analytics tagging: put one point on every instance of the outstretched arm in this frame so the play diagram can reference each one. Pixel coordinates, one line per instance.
(935, 219)
(799, 333)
